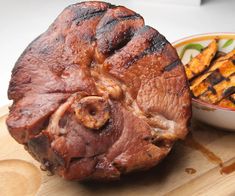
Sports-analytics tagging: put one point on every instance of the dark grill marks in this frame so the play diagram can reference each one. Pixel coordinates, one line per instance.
(172, 65)
(195, 75)
(125, 38)
(111, 23)
(114, 31)
(88, 10)
(88, 16)
(121, 39)
(156, 44)
(79, 47)
(232, 99)
(215, 78)
(229, 91)
(211, 88)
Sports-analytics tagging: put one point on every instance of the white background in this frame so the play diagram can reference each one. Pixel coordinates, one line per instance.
(23, 20)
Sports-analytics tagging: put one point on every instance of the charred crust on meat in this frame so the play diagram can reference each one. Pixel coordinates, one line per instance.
(172, 65)
(122, 38)
(114, 31)
(90, 15)
(88, 11)
(39, 145)
(156, 43)
(111, 23)
(74, 102)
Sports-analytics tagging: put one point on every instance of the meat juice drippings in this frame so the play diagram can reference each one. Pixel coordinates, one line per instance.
(211, 156)
(190, 170)
(228, 169)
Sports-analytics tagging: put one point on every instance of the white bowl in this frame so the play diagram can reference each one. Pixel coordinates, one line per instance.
(211, 114)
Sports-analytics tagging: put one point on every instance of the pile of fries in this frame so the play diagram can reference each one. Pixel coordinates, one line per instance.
(212, 76)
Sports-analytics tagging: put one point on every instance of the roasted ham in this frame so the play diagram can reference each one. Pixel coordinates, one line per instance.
(99, 94)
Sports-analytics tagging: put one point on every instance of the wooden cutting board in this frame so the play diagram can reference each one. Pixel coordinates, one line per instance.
(20, 173)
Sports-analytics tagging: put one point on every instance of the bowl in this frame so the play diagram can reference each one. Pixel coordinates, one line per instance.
(189, 47)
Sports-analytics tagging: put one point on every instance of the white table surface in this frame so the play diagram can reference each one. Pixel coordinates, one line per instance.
(22, 21)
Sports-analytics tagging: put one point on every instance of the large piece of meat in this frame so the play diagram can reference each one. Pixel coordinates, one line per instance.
(98, 94)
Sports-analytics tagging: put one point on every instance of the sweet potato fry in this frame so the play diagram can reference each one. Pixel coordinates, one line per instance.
(228, 102)
(219, 71)
(219, 91)
(202, 61)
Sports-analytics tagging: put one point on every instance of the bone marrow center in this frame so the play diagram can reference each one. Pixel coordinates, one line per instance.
(93, 111)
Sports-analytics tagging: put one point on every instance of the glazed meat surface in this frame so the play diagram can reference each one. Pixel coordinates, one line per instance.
(99, 94)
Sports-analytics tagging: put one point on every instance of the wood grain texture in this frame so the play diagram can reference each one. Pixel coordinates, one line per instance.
(168, 178)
